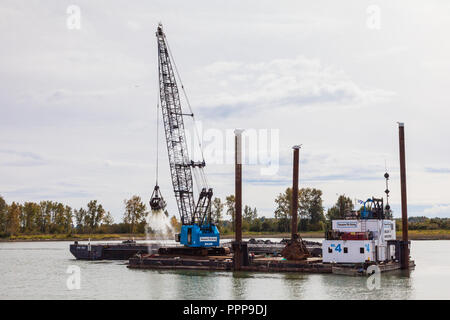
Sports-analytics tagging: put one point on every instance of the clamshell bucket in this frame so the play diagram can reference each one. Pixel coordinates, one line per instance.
(156, 201)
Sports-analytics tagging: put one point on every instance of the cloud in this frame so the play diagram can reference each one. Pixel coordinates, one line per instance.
(12, 158)
(29, 155)
(438, 210)
(49, 193)
(296, 82)
(437, 170)
(273, 182)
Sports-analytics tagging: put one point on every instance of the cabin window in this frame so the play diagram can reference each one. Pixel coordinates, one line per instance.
(345, 250)
(330, 250)
(361, 250)
(189, 236)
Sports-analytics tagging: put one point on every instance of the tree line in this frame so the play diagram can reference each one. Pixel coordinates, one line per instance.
(425, 223)
(49, 217)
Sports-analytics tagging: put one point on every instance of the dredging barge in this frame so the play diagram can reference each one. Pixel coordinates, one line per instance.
(362, 243)
(129, 248)
(352, 246)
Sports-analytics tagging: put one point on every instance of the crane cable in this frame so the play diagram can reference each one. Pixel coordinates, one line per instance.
(196, 179)
(157, 141)
(202, 174)
(157, 125)
(186, 97)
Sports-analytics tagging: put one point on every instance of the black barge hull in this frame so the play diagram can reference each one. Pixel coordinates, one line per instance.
(107, 251)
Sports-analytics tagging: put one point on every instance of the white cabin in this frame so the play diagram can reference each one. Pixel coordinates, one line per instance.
(360, 240)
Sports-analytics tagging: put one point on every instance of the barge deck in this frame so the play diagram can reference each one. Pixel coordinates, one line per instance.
(258, 264)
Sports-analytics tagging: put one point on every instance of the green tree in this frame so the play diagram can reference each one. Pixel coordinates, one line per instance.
(343, 204)
(108, 220)
(94, 215)
(135, 212)
(106, 226)
(43, 221)
(310, 209)
(31, 212)
(249, 215)
(266, 225)
(68, 219)
(230, 204)
(283, 210)
(58, 217)
(13, 218)
(80, 220)
(256, 224)
(3, 215)
(217, 211)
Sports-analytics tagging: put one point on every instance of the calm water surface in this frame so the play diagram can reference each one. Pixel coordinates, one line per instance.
(37, 270)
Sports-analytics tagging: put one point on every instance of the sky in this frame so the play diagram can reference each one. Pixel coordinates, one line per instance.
(79, 89)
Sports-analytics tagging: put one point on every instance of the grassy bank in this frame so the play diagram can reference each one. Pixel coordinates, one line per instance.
(413, 235)
(427, 234)
(73, 237)
(309, 234)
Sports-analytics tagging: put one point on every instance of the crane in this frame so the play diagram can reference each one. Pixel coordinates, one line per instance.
(197, 228)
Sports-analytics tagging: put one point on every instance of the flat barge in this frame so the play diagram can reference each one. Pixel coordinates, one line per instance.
(109, 251)
(258, 264)
(225, 263)
(127, 249)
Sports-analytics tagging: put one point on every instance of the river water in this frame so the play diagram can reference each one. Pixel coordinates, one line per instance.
(38, 270)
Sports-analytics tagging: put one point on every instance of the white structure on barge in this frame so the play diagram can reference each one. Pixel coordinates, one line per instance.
(360, 240)
(364, 236)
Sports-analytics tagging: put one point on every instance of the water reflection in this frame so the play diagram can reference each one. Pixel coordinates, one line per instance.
(393, 285)
(294, 284)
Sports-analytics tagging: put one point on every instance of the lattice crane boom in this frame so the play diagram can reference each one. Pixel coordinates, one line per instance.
(179, 162)
(191, 213)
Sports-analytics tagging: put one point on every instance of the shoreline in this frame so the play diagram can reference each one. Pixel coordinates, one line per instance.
(413, 235)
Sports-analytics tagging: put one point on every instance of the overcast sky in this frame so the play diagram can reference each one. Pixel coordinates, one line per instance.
(78, 106)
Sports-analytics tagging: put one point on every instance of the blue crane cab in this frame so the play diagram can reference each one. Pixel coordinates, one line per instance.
(194, 235)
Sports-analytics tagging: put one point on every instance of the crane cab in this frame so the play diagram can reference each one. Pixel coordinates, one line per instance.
(194, 235)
